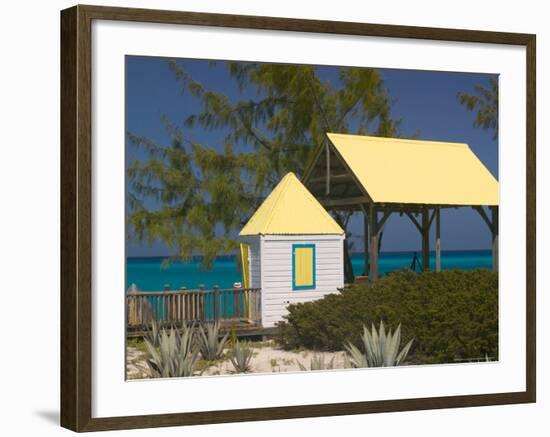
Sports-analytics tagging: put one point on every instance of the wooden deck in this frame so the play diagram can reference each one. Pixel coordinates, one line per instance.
(237, 308)
(242, 329)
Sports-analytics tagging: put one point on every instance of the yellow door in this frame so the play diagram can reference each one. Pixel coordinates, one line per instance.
(303, 266)
(245, 249)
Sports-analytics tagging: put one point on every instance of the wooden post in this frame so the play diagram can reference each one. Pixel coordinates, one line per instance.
(437, 240)
(373, 217)
(425, 240)
(216, 298)
(493, 227)
(366, 239)
(494, 232)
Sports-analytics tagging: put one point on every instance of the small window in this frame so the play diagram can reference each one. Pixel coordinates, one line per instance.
(303, 266)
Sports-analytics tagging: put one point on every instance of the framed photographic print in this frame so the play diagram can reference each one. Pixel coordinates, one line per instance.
(287, 218)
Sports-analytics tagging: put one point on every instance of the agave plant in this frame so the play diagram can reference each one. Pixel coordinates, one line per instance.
(175, 355)
(240, 357)
(153, 334)
(211, 347)
(381, 348)
(317, 363)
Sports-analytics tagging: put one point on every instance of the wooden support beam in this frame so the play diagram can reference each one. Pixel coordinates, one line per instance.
(425, 241)
(492, 223)
(484, 216)
(350, 201)
(366, 239)
(437, 213)
(357, 201)
(415, 222)
(432, 217)
(348, 208)
(334, 179)
(313, 163)
(383, 220)
(495, 225)
(373, 219)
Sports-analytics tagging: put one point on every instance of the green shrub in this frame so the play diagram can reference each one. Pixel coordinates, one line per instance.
(452, 315)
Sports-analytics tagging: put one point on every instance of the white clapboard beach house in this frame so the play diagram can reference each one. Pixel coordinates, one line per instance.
(293, 250)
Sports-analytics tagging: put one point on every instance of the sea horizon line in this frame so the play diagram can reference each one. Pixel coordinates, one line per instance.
(388, 252)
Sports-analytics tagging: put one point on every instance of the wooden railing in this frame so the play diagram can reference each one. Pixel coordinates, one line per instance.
(232, 305)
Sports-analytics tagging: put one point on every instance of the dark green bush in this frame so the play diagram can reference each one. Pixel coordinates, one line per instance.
(452, 315)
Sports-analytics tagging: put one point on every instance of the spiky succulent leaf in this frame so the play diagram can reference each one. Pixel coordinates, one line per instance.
(380, 348)
(152, 333)
(356, 357)
(376, 346)
(382, 341)
(393, 346)
(368, 344)
(211, 347)
(240, 357)
(403, 353)
(174, 356)
(317, 362)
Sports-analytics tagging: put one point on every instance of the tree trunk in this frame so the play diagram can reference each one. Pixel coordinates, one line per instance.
(348, 268)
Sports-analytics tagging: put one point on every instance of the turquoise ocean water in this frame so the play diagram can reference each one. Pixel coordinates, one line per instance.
(148, 274)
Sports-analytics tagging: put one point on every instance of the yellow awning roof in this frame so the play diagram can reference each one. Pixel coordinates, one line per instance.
(420, 172)
(291, 209)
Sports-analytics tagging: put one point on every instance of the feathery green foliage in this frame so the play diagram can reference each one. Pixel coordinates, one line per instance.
(176, 354)
(485, 101)
(379, 349)
(452, 315)
(240, 356)
(211, 347)
(204, 193)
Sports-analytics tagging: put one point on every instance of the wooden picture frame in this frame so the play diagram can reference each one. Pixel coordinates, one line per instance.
(76, 217)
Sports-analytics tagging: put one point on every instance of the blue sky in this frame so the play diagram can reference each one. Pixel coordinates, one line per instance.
(424, 100)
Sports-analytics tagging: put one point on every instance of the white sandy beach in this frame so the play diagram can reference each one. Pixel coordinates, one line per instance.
(267, 358)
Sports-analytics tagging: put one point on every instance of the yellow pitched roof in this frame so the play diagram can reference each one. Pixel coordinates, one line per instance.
(292, 210)
(421, 172)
